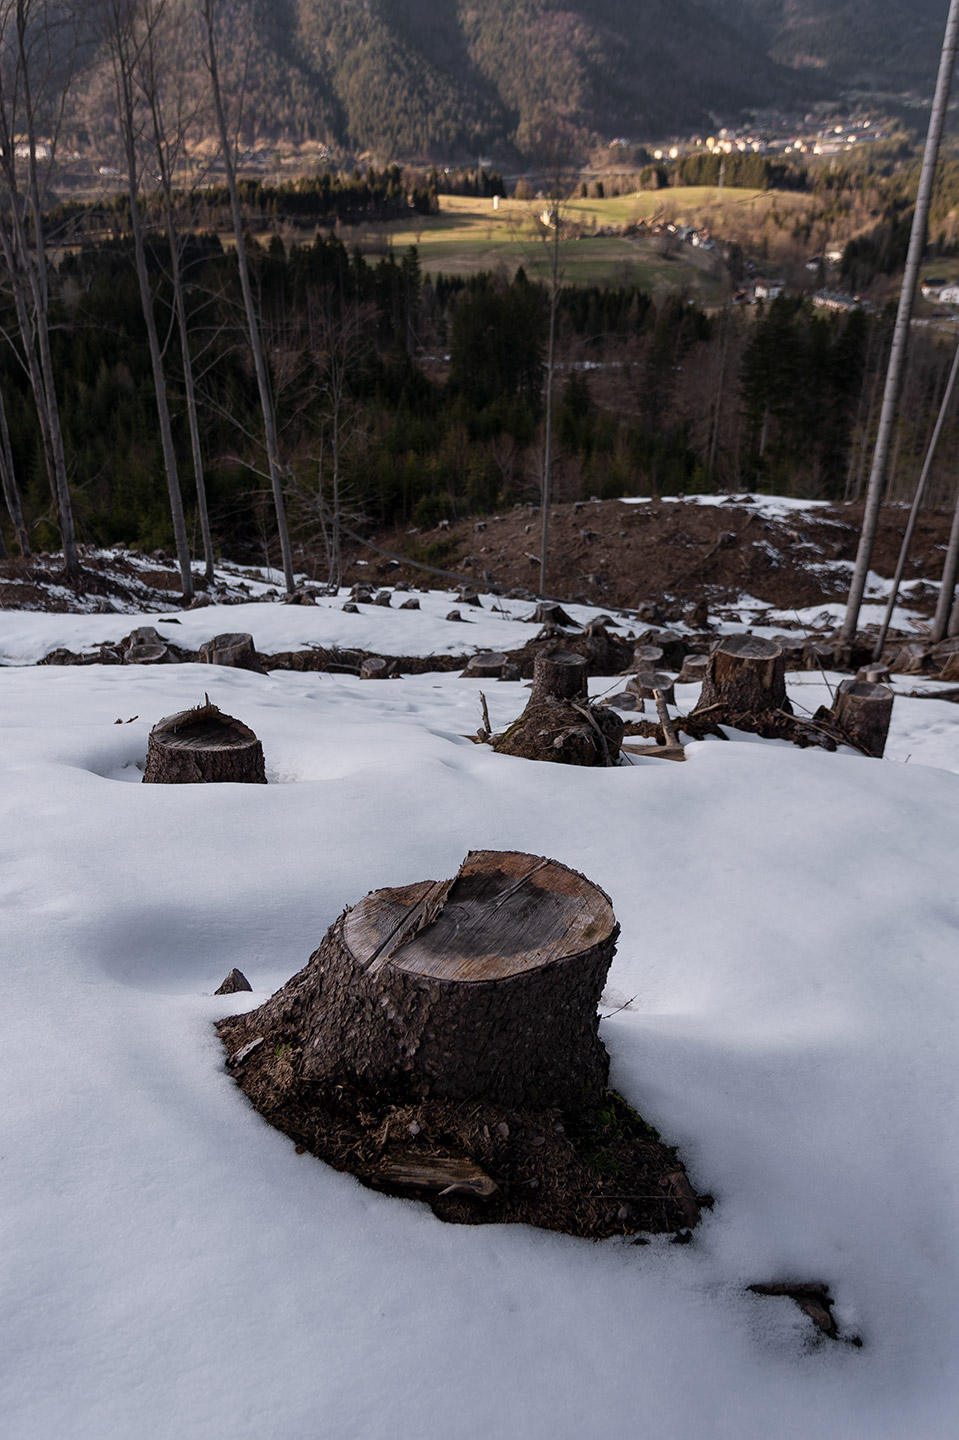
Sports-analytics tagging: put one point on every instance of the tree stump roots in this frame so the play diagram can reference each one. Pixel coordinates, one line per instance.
(447, 1031)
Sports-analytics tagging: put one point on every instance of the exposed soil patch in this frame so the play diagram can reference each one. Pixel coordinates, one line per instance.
(603, 1173)
(660, 552)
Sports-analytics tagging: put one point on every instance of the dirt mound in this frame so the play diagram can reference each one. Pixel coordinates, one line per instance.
(670, 554)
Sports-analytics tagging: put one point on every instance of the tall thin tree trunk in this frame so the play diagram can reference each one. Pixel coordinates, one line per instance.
(124, 61)
(550, 366)
(8, 479)
(916, 504)
(176, 267)
(917, 240)
(253, 327)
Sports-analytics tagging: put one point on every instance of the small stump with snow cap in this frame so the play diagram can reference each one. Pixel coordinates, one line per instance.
(201, 747)
(443, 1040)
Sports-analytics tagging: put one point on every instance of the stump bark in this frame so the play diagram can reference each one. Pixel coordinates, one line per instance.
(146, 647)
(647, 682)
(559, 724)
(203, 746)
(486, 666)
(745, 676)
(694, 670)
(235, 649)
(863, 711)
(559, 675)
(481, 987)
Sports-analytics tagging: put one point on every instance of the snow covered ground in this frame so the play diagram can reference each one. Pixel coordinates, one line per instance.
(790, 948)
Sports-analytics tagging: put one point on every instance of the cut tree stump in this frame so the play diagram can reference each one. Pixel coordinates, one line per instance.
(374, 667)
(745, 676)
(647, 657)
(559, 675)
(694, 670)
(235, 649)
(862, 711)
(647, 682)
(548, 613)
(481, 987)
(488, 666)
(203, 746)
(146, 647)
(559, 724)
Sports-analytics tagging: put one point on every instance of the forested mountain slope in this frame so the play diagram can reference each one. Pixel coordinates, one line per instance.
(890, 44)
(413, 79)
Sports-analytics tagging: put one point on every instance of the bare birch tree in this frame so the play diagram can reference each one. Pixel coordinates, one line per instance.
(208, 11)
(126, 26)
(168, 142)
(39, 44)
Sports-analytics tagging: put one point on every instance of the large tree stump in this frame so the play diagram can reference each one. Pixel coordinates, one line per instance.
(235, 649)
(862, 712)
(745, 677)
(559, 724)
(481, 987)
(559, 675)
(203, 746)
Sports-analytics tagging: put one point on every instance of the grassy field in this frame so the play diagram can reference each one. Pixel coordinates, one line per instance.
(469, 235)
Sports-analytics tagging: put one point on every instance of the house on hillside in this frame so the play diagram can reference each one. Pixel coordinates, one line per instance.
(768, 289)
(835, 300)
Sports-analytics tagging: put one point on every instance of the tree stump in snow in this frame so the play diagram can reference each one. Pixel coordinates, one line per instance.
(647, 682)
(863, 711)
(559, 675)
(488, 666)
(745, 676)
(646, 657)
(559, 724)
(553, 615)
(694, 670)
(480, 987)
(203, 746)
(235, 649)
(146, 647)
(374, 667)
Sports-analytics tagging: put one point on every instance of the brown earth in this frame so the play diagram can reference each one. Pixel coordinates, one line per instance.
(605, 553)
(624, 556)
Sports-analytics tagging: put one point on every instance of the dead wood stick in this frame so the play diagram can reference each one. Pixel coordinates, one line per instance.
(602, 737)
(486, 725)
(667, 724)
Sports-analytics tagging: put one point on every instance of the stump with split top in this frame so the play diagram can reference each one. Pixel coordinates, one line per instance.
(203, 746)
(480, 987)
(745, 676)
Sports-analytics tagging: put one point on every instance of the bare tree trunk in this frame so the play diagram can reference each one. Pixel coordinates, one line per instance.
(8, 479)
(914, 511)
(126, 44)
(27, 40)
(253, 328)
(149, 79)
(877, 477)
(554, 288)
